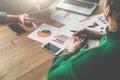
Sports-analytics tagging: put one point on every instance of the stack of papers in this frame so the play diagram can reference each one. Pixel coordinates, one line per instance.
(62, 37)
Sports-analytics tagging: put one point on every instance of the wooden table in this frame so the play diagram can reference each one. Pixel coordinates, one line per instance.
(22, 58)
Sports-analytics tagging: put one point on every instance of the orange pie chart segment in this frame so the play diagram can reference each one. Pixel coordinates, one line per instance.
(44, 33)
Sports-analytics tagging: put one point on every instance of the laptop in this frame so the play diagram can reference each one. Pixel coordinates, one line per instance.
(86, 7)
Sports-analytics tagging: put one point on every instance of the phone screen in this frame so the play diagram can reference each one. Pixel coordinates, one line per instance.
(16, 28)
(52, 48)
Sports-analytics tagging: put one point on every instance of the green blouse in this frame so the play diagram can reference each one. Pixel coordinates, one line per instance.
(98, 63)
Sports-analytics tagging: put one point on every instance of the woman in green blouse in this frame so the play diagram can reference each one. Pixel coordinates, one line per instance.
(98, 63)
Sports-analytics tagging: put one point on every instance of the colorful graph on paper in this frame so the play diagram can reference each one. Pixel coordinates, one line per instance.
(94, 24)
(60, 39)
(44, 33)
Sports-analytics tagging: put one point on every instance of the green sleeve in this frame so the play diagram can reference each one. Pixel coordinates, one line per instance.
(61, 58)
(61, 66)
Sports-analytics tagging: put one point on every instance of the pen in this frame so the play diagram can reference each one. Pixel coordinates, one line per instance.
(73, 31)
(34, 25)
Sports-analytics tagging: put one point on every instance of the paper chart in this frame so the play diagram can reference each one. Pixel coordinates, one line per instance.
(44, 33)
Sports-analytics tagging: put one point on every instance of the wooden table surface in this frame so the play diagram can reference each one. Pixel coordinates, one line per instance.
(22, 58)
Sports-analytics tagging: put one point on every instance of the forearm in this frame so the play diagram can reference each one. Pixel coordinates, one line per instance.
(12, 18)
(98, 35)
(94, 34)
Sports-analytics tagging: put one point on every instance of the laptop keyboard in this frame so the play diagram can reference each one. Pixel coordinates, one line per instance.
(95, 1)
(80, 3)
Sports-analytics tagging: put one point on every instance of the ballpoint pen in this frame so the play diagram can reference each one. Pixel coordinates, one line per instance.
(34, 25)
(73, 31)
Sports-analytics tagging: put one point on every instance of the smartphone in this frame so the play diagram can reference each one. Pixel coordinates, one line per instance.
(16, 28)
(52, 48)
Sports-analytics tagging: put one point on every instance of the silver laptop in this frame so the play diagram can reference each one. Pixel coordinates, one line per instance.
(86, 7)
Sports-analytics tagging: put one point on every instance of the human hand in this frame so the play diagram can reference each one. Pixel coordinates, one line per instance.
(26, 19)
(88, 33)
(78, 43)
(80, 33)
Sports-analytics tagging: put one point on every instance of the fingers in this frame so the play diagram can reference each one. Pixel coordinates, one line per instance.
(83, 36)
(79, 32)
(81, 40)
(26, 15)
(26, 19)
(29, 18)
(78, 43)
(78, 40)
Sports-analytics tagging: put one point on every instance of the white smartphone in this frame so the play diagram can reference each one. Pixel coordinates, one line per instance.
(52, 48)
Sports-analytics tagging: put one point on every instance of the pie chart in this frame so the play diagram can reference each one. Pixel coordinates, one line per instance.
(44, 33)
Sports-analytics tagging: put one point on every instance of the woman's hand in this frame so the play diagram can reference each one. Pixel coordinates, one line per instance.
(78, 43)
(89, 33)
(26, 19)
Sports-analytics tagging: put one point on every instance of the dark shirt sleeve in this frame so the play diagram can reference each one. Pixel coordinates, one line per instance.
(2, 16)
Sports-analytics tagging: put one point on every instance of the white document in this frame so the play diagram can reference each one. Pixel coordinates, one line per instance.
(101, 21)
(76, 17)
(59, 40)
(93, 43)
(70, 20)
(44, 33)
(97, 23)
(73, 19)
(66, 30)
(91, 24)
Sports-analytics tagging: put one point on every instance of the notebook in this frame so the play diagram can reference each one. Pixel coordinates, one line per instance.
(86, 7)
